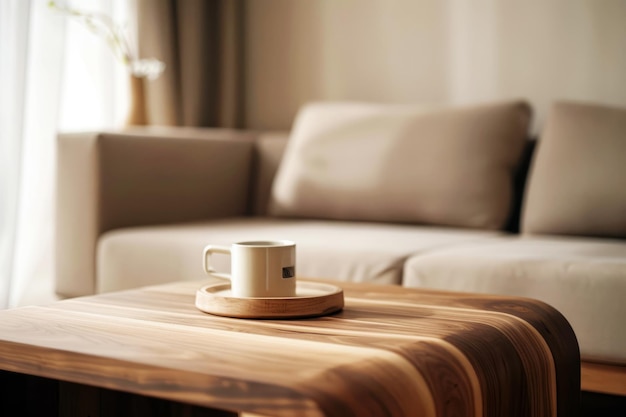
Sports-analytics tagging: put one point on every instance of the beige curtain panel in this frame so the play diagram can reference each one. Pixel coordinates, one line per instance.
(201, 44)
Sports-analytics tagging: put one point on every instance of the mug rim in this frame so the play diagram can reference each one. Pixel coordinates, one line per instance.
(264, 243)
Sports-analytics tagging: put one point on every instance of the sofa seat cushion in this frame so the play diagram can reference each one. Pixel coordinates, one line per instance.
(347, 251)
(585, 279)
(395, 163)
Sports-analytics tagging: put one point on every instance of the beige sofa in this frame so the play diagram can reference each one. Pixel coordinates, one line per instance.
(435, 198)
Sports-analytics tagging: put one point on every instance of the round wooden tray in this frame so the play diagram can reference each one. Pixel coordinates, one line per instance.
(312, 299)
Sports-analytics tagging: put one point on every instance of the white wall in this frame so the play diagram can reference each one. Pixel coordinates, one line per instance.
(431, 51)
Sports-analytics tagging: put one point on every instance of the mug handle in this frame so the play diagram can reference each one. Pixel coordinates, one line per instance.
(208, 268)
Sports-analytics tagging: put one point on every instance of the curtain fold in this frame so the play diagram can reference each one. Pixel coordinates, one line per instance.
(54, 75)
(201, 44)
(32, 38)
(14, 30)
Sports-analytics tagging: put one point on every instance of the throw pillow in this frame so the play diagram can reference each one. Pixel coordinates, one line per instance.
(395, 163)
(577, 183)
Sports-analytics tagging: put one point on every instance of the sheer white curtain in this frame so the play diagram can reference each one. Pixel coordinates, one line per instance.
(54, 76)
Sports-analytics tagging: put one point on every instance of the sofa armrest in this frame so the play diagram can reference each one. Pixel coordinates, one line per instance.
(142, 176)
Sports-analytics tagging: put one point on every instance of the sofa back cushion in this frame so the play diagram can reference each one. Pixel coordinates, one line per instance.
(268, 152)
(368, 162)
(577, 182)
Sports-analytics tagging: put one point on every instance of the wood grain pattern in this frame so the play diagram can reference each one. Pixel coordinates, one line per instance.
(391, 351)
(604, 378)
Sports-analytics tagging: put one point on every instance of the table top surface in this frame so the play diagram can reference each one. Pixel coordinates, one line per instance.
(390, 351)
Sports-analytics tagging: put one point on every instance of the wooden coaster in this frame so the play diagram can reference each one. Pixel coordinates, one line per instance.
(312, 299)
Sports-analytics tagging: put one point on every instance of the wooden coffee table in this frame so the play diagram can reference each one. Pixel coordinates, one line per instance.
(391, 351)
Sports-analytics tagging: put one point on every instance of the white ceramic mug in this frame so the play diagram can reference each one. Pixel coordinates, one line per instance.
(258, 268)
